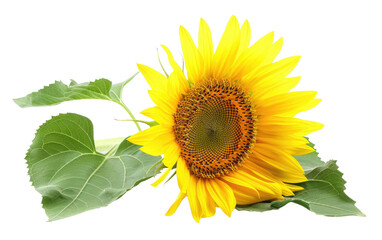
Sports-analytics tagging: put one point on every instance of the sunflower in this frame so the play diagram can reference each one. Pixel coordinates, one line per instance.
(228, 126)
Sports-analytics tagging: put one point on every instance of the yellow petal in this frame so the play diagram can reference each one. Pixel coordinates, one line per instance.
(178, 71)
(205, 46)
(163, 102)
(238, 181)
(273, 88)
(245, 37)
(159, 145)
(183, 175)
(271, 72)
(176, 204)
(192, 57)
(311, 104)
(279, 163)
(193, 199)
(286, 191)
(285, 103)
(162, 177)
(252, 58)
(264, 187)
(276, 125)
(278, 158)
(177, 87)
(291, 144)
(171, 155)
(222, 194)
(227, 49)
(244, 195)
(155, 79)
(206, 202)
(259, 172)
(148, 135)
(294, 188)
(159, 116)
(273, 52)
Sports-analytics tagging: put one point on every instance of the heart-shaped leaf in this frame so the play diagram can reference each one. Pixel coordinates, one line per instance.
(72, 177)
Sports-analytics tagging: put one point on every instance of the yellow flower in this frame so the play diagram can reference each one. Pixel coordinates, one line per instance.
(229, 125)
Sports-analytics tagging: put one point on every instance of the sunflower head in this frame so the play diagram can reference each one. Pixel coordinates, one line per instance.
(214, 125)
(229, 124)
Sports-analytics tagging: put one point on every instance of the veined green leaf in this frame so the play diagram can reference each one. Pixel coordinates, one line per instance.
(59, 92)
(72, 176)
(323, 194)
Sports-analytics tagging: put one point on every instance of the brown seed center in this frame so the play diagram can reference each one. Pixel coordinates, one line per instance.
(215, 127)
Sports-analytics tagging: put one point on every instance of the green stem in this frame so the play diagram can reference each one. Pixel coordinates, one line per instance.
(150, 123)
(161, 64)
(131, 115)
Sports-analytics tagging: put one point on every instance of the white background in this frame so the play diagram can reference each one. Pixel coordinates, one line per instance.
(43, 41)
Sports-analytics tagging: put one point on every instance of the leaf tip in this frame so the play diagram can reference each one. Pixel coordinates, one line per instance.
(19, 102)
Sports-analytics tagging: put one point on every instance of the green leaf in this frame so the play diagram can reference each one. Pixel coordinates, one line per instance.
(72, 177)
(59, 92)
(309, 161)
(323, 194)
(106, 145)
